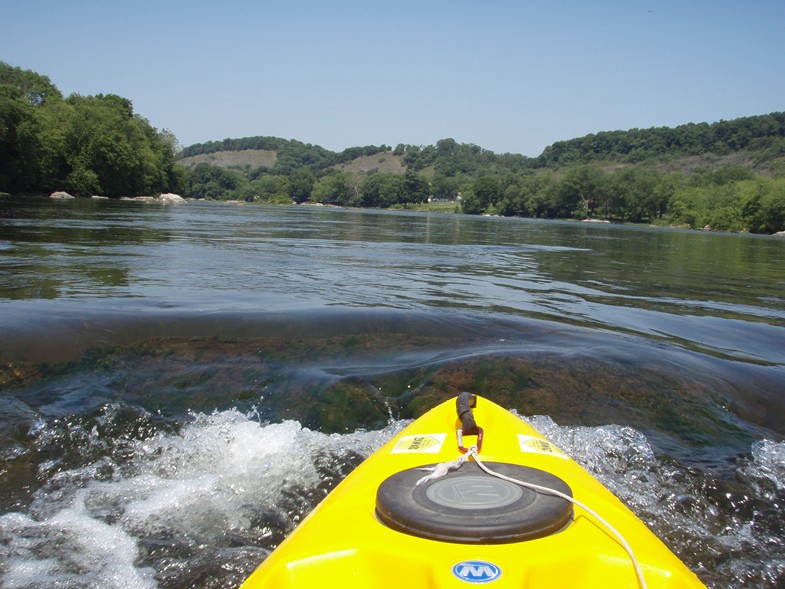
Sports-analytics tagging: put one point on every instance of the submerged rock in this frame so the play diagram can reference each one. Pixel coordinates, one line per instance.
(139, 198)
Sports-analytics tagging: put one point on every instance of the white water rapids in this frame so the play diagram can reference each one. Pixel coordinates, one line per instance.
(203, 505)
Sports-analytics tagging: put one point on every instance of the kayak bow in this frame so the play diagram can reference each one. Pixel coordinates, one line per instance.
(470, 493)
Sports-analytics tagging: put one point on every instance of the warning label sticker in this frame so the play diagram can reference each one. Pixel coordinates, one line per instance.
(425, 443)
(538, 446)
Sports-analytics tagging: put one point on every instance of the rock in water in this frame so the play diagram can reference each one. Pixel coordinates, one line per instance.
(170, 198)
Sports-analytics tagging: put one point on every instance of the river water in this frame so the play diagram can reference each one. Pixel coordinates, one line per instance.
(179, 385)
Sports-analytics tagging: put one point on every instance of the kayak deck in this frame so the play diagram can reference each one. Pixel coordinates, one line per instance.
(344, 540)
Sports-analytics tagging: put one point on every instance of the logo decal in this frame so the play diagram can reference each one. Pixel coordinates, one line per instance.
(476, 571)
(539, 446)
(424, 443)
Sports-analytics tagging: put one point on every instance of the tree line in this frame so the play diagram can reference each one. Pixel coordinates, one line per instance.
(98, 145)
(291, 154)
(730, 197)
(764, 134)
(87, 145)
(303, 172)
(378, 190)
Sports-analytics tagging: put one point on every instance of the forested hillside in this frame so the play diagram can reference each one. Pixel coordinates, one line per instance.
(724, 176)
(728, 175)
(87, 145)
(291, 154)
(763, 135)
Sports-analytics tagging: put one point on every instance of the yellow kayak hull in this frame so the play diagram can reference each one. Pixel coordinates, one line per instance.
(343, 542)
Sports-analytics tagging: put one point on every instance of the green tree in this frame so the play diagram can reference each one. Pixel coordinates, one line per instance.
(301, 184)
(512, 202)
(121, 150)
(336, 188)
(723, 209)
(631, 195)
(539, 193)
(415, 187)
(33, 88)
(664, 191)
(446, 147)
(685, 207)
(268, 188)
(214, 182)
(86, 144)
(383, 190)
(487, 191)
(444, 187)
(774, 206)
(471, 204)
(583, 189)
(29, 150)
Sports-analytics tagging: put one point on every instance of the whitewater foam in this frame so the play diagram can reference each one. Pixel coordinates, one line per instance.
(204, 504)
(714, 522)
(223, 489)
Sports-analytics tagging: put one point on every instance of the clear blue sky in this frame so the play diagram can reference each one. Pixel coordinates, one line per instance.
(510, 76)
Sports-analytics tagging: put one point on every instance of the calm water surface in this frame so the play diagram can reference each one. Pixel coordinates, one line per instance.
(180, 385)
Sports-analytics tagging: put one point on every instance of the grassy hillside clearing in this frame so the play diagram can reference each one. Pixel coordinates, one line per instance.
(255, 158)
(384, 162)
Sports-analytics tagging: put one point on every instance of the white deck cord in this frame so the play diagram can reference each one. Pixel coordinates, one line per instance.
(639, 573)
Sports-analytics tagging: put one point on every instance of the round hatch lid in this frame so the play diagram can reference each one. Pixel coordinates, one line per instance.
(468, 506)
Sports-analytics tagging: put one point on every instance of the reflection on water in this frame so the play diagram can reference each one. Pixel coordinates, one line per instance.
(700, 290)
(180, 385)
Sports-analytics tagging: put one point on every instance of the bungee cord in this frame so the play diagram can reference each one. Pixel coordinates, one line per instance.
(473, 452)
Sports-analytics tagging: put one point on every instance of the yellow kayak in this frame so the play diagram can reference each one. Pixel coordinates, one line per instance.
(469, 494)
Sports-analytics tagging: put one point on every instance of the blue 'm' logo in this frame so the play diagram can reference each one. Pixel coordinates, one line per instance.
(476, 571)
